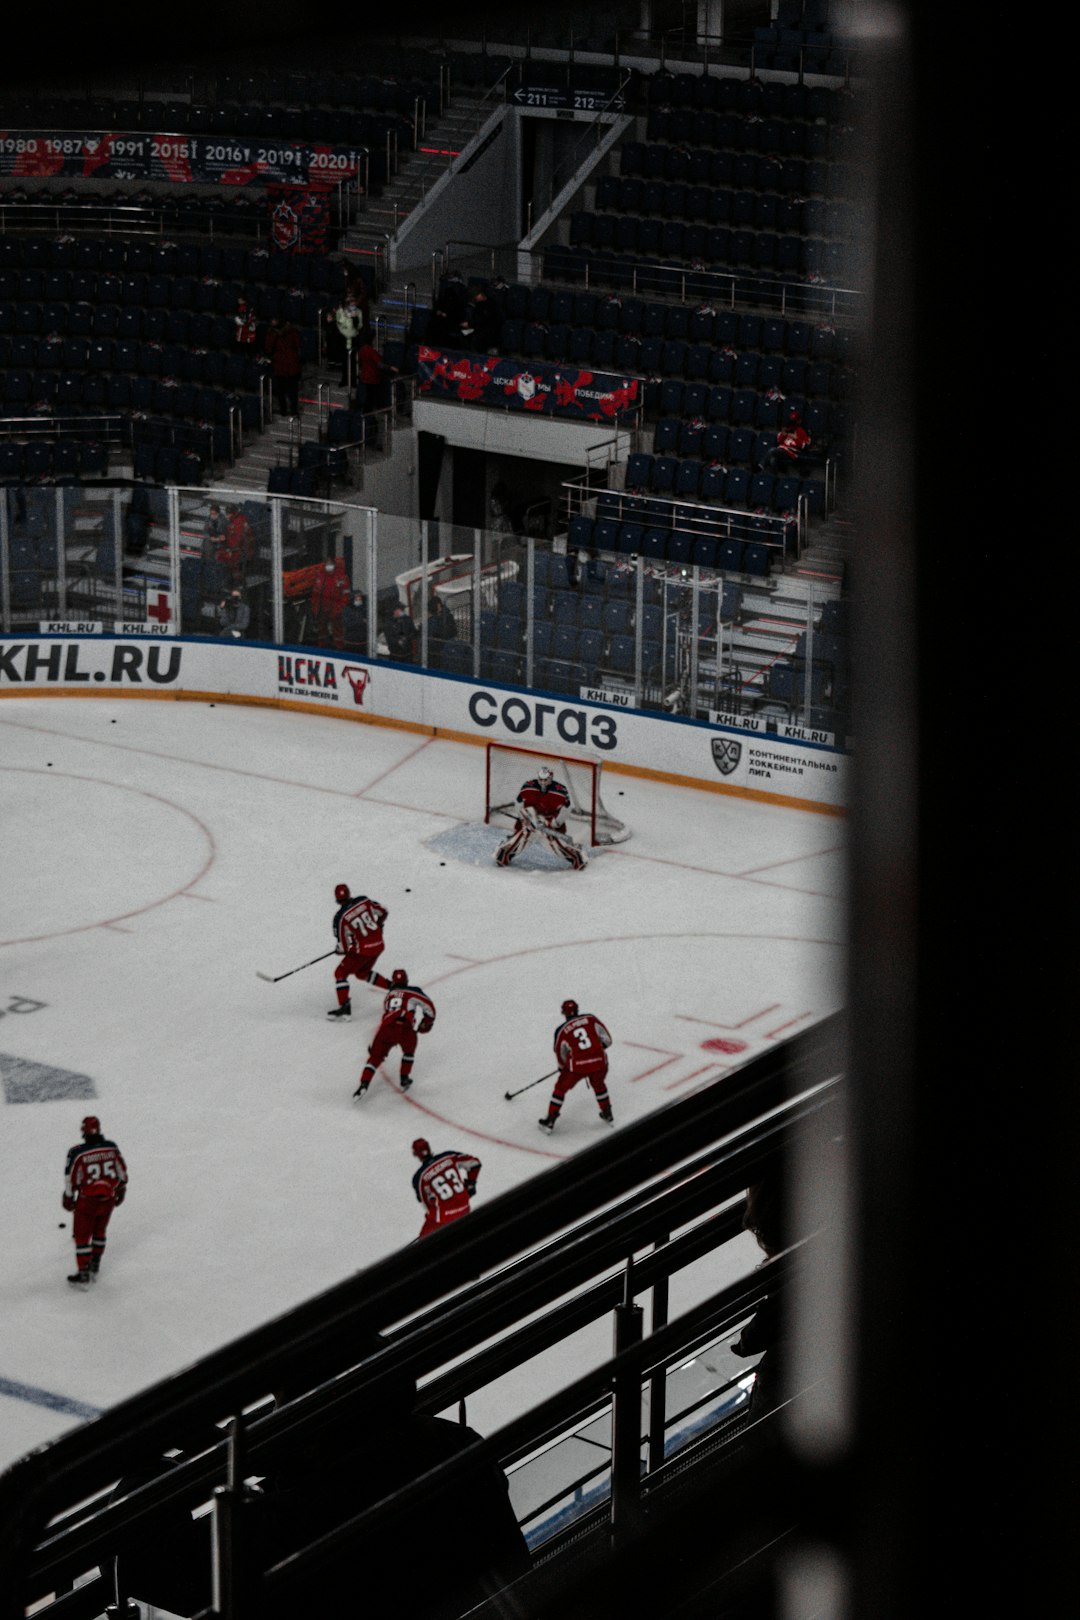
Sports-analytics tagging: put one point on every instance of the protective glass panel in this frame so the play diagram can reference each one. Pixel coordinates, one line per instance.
(324, 568)
(226, 586)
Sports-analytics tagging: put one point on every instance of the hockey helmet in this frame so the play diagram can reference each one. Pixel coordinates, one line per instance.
(569, 1009)
(544, 774)
(422, 1148)
(91, 1125)
(399, 976)
(341, 892)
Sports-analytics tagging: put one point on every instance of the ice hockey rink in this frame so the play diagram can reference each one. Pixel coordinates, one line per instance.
(158, 855)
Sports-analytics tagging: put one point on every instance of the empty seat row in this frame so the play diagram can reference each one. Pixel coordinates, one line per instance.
(717, 484)
(235, 368)
(117, 255)
(728, 132)
(118, 390)
(26, 296)
(701, 323)
(39, 458)
(803, 292)
(685, 93)
(688, 548)
(712, 204)
(711, 246)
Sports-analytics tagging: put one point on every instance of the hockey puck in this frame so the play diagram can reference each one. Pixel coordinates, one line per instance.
(61, 1224)
(442, 863)
(408, 891)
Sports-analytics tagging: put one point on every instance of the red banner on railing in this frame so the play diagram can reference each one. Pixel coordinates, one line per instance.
(547, 390)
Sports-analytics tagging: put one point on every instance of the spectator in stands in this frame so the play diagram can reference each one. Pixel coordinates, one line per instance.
(350, 324)
(214, 535)
(237, 549)
(486, 322)
(354, 623)
(401, 635)
(453, 296)
(244, 324)
(465, 1541)
(374, 374)
(282, 345)
(234, 615)
(788, 457)
(358, 286)
(441, 625)
(329, 594)
(440, 332)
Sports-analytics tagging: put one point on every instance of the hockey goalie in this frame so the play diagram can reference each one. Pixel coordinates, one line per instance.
(541, 808)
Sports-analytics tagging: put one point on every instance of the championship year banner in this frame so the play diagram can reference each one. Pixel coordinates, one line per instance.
(183, 159)
(545, 389)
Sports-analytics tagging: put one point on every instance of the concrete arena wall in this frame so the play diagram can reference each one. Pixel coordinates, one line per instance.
(750, 764)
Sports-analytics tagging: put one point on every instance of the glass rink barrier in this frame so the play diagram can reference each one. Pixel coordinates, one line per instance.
(605, 625)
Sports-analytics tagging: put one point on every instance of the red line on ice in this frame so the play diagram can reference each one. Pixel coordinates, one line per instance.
(466, 1130)
(138, 911)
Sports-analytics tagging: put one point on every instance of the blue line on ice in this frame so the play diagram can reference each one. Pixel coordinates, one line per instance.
(45, 1397)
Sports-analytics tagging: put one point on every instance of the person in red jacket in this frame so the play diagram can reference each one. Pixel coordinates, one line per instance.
(282, 345)
(792, 442)
(95, 1183)
(237, 549)
(329, 594)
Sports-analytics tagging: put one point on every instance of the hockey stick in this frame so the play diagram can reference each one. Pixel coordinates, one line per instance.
(530, 1085)
(276, 980)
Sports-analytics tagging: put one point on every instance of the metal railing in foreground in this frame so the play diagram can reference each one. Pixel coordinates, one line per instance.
(551, 1254)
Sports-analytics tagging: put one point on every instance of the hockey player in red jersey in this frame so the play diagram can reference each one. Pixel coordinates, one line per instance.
(407, 1014)
(541, 808)
(581, 1043)
(444, 1184)
(358, 925)
(95, 1182)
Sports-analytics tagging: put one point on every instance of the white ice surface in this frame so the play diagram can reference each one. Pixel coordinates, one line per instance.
(155, 855)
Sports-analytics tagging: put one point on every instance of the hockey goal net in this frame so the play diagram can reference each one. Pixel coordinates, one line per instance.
(509, 767)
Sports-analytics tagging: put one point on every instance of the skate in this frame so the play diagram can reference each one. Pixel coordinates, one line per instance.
(80, 1279)
(344, 1011)
(361, 1090)
(546, 1124)
(607, 1116)
(406, 1081)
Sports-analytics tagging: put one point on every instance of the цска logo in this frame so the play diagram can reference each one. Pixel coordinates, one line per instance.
(319, 677)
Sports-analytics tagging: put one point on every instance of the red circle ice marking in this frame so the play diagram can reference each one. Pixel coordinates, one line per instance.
(721, 1043)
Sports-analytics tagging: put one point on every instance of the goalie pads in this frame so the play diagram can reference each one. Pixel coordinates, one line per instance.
(559, 840)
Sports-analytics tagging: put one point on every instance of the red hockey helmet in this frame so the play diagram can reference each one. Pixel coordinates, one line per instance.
(91, 1125)
(422, 1148)
(341, 892)
(399, 976)
(569, 1009)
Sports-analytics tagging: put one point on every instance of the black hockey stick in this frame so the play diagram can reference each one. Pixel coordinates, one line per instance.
(277, 979)
(530, 1085)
